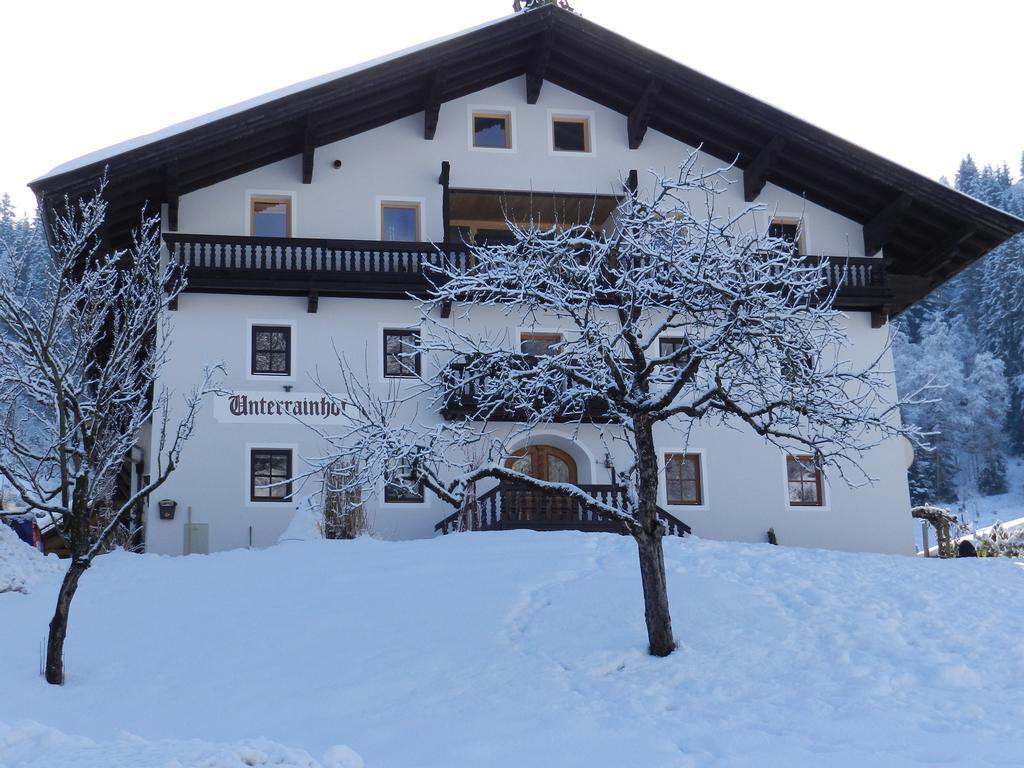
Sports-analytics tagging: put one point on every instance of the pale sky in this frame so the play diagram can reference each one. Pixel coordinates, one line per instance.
(922, 83)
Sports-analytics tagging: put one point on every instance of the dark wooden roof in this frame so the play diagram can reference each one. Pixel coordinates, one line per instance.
(929, 231)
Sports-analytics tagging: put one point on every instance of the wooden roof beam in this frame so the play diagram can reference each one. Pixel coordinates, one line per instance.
(538, 66)
(432, 109)
(939, 260)
(639, 117)
(171, 195)
(755, 175)
(880, 229)
(308, 150)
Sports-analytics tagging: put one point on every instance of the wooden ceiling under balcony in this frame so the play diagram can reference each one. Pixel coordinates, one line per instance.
(928, 231)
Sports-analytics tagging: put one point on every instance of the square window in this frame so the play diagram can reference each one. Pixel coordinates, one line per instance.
(270, 216)
(401, 358)
(492, 130)
(271, 350)
(540, 344)
(403, 490)
(400, 221)
(683, 482)
(270, 474)
(670, 345)
(790, 230)
(570, 134)
(803, 478)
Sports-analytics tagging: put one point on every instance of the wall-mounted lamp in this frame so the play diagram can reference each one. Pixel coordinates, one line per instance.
(287, 387)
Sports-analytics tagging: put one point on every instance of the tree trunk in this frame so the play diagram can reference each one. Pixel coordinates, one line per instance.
(59, 623)
(648, 534)
(652, 575)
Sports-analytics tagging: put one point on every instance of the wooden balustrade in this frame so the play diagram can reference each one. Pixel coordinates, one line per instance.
(230, 263)
(509, 506)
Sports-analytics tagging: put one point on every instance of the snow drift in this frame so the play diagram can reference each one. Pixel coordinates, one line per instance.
(520, 648)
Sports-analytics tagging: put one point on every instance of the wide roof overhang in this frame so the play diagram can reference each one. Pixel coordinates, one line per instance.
(928, 231)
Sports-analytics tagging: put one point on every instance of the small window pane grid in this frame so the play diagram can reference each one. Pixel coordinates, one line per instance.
(540, 344)
(803, 478)
(271, 217)
(271, 350)
(570, 134)
(683, 485)
(401, 360)
(403, 491)
(270, 473)
(492, 130)
(400, 222)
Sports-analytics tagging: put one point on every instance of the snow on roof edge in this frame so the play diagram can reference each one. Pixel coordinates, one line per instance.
(257, 101)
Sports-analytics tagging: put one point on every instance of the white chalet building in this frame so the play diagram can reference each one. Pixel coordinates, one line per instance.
(305, 218)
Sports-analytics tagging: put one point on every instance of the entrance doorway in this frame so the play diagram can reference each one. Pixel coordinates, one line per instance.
(526, 505)
(544, 462)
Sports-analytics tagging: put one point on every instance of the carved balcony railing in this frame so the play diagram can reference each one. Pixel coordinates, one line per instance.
(372, 268)
(509, 506)
(467, 389)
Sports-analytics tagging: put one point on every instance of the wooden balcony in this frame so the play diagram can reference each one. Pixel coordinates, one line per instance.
(509, 506)
(381, 269)
(464, 391)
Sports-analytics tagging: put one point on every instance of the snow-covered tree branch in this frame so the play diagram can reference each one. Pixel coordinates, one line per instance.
(756, 345)
(83, 337)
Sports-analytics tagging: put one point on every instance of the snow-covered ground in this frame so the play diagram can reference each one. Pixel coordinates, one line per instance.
(519, 649)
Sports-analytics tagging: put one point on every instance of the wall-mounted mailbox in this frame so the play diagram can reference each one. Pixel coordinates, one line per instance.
(167, 507)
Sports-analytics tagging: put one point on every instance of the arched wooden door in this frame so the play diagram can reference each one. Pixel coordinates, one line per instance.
(544, 462)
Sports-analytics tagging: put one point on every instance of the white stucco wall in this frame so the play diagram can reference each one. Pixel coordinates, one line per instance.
(744, 478)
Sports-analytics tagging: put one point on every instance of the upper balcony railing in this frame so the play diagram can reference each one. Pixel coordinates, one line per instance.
(293, 265)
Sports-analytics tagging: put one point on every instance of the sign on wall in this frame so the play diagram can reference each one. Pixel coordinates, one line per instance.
(277, 408)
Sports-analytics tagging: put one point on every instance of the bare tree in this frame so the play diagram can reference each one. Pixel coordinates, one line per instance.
(83, 337)
(761, 349)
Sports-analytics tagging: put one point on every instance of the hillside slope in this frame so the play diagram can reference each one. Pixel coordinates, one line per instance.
(521, 649)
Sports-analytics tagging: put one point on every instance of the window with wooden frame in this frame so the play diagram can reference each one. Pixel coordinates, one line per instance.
(804, 482)
(790, 230)
(270, 474)
(540, 344)
(492, 130)
(402, 490)
(270, 216)
(401, 358)
(683, 482)
(271, 351)
(570, 133)
(669, 345)
(400, 221)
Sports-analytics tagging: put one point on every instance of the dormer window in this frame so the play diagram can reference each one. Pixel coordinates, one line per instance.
(270, 216)
(570, 134)
(492, 130)
(790, 230)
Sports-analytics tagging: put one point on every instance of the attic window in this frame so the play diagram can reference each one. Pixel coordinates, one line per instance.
(270, 216)
(492, 130)
(790, 230)
(570, 134)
